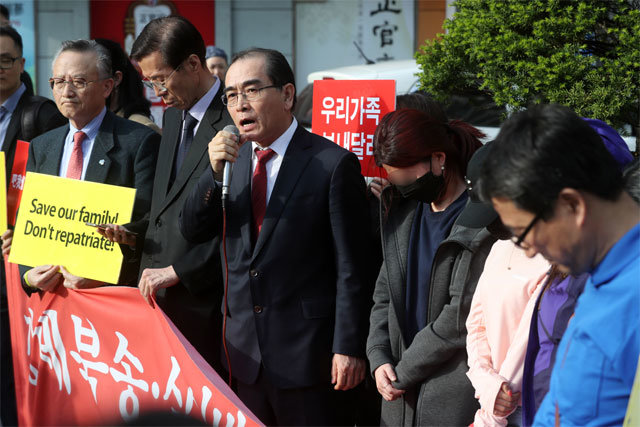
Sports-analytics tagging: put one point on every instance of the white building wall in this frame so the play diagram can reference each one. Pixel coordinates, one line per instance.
(56, 21)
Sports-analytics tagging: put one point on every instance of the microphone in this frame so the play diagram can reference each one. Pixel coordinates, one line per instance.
(228, 167)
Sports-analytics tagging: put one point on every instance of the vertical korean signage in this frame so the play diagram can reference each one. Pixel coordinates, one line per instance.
(348, 111)
(386, 29)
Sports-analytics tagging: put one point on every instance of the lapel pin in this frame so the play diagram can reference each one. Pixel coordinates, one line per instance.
(101, 162)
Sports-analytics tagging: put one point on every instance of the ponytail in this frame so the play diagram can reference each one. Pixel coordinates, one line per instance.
(466, 139)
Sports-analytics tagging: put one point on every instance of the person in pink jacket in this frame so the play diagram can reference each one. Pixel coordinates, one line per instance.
(498, 321)
(498, 330)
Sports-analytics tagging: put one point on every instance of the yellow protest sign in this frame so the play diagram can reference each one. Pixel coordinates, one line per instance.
(3, 194)
(51, 227)
(633, 409)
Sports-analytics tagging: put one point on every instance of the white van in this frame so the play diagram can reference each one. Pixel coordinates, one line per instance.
(404, 72)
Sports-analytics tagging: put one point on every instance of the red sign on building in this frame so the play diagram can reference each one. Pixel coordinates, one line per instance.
(348, 111)
(123, 20)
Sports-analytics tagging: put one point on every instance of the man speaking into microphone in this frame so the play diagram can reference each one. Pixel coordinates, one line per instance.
(296, 240)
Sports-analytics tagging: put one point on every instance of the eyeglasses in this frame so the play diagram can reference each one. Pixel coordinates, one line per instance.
(251, 94)
(58, 84)
(519, 240)
(7, 62)
(160, 86)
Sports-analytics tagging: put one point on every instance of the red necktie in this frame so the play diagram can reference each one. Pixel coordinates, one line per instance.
(259, 190)
(74, 169)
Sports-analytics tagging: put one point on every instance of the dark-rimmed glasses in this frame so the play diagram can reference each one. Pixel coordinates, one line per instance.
(518, 240)
(251, 94)
(6, 62)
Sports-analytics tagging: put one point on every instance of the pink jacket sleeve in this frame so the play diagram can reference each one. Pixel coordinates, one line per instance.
(504, 267)
(484, 378)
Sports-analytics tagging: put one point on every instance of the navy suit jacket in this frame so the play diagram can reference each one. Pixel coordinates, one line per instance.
(300, 295)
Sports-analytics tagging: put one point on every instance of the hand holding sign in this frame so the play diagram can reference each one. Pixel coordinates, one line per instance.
(348, 111)
(377, 185)
(44, 277)
(74, 282)
(7, 238)
(51, 229)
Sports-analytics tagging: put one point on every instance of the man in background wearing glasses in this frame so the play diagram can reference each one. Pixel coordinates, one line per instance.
(185, 278)
(95, 145)
(297, 244)
(557, 188)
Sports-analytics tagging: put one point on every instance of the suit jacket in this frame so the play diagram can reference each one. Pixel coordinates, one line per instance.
(300, 294)
(48, 118)
(192, 304)
(124, 153)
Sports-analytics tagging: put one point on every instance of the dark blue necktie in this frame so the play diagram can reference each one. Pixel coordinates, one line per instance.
(188, 124)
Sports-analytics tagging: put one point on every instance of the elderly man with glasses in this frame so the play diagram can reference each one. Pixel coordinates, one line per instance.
(557, 188)
(95, 145)
(185, 278)
(297, 243)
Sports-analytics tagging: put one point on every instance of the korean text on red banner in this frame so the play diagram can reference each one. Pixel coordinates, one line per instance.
(348, 111)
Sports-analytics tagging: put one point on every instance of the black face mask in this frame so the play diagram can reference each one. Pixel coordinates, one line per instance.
(425, 189)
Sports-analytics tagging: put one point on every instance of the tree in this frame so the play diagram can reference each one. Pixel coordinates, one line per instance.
(584, 54)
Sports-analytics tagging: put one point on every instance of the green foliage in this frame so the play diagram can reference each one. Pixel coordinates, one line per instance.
(584, 54)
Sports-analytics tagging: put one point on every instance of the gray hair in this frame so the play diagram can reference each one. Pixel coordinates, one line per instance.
(102, 54)
(632, 180)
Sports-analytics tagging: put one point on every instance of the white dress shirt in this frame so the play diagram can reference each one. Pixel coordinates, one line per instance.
(200, 108)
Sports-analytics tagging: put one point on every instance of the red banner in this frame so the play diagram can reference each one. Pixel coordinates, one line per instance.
(348, 112)
(104, 356)
(14, 192)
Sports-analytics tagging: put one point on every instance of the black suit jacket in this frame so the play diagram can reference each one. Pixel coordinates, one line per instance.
(124, 153)
(300, 295)
(48, 118)
(193, 304)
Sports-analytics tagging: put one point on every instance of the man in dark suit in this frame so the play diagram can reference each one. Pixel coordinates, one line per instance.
(95, 146)
(17, 109)
(297, 226)
(185, 278)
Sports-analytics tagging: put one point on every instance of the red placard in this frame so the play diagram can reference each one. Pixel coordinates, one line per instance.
(348, 111)
(103, 356)
(14, 193)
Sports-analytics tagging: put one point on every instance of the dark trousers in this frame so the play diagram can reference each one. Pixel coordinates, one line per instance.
(309, 406)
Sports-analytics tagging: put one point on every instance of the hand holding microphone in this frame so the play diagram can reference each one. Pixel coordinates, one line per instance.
(224, 148)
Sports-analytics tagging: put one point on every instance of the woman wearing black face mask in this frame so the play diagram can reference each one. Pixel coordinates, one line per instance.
(416, 343)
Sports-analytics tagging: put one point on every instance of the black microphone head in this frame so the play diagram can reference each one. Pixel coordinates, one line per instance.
(232, 129)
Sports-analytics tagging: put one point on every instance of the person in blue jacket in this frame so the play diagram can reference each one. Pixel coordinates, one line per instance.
(560, 192)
